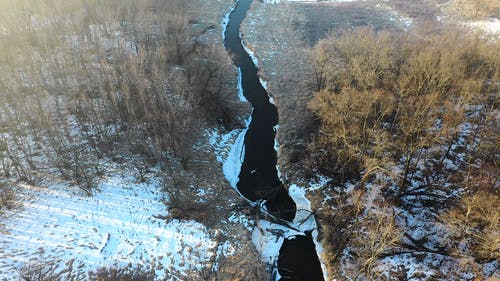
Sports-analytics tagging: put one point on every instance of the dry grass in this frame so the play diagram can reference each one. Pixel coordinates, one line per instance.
(473, 9)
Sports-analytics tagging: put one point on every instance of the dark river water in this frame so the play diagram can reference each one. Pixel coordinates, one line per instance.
(258, 179)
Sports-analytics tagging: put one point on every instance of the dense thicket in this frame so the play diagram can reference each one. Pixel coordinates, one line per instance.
(85, 82)
(410, 120)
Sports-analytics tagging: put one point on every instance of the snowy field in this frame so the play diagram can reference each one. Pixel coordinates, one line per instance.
(119, 225)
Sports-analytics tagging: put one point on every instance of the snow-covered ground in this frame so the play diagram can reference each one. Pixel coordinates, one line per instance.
(229, 151)
(251, 53)
(489, 26)
(120, 224)
(225, 22)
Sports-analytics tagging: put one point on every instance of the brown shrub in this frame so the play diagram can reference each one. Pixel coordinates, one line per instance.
(475, 222)
(364, 229)
(378, 102)
(7, 196)
(122, 274)
(391, 108)
(39, 272)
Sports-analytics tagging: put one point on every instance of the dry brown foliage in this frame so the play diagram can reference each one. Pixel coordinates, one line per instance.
(363, 228)
(381, 94)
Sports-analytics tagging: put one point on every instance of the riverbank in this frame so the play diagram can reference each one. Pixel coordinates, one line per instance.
(287, 71)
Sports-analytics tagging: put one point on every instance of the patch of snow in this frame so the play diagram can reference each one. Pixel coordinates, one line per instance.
(265, 86)
(251, 53)
(373, 191)
(278, 172)
(492, 267)
(304, 220)
(224, 249)
(222, 143)
(242, 219)
(321, 182)
(268, 238)
(267, 244)
(349, 186)
(272, 1)
(241, 96)
(396, 16)
(116, 226)
(490, 26)
(276, 148)
(271, 100)
(412, 267)
(263, 83)
(225, 21)
(232, 164)
(202, 192)
(298, 195)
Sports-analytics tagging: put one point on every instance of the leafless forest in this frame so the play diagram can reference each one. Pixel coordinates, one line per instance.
(84, 83)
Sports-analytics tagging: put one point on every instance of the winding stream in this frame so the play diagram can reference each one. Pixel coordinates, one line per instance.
(258, 178)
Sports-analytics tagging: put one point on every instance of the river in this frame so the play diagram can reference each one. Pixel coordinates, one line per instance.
(258, 178)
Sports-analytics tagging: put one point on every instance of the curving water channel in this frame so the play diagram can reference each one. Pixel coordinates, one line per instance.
(258, 178)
